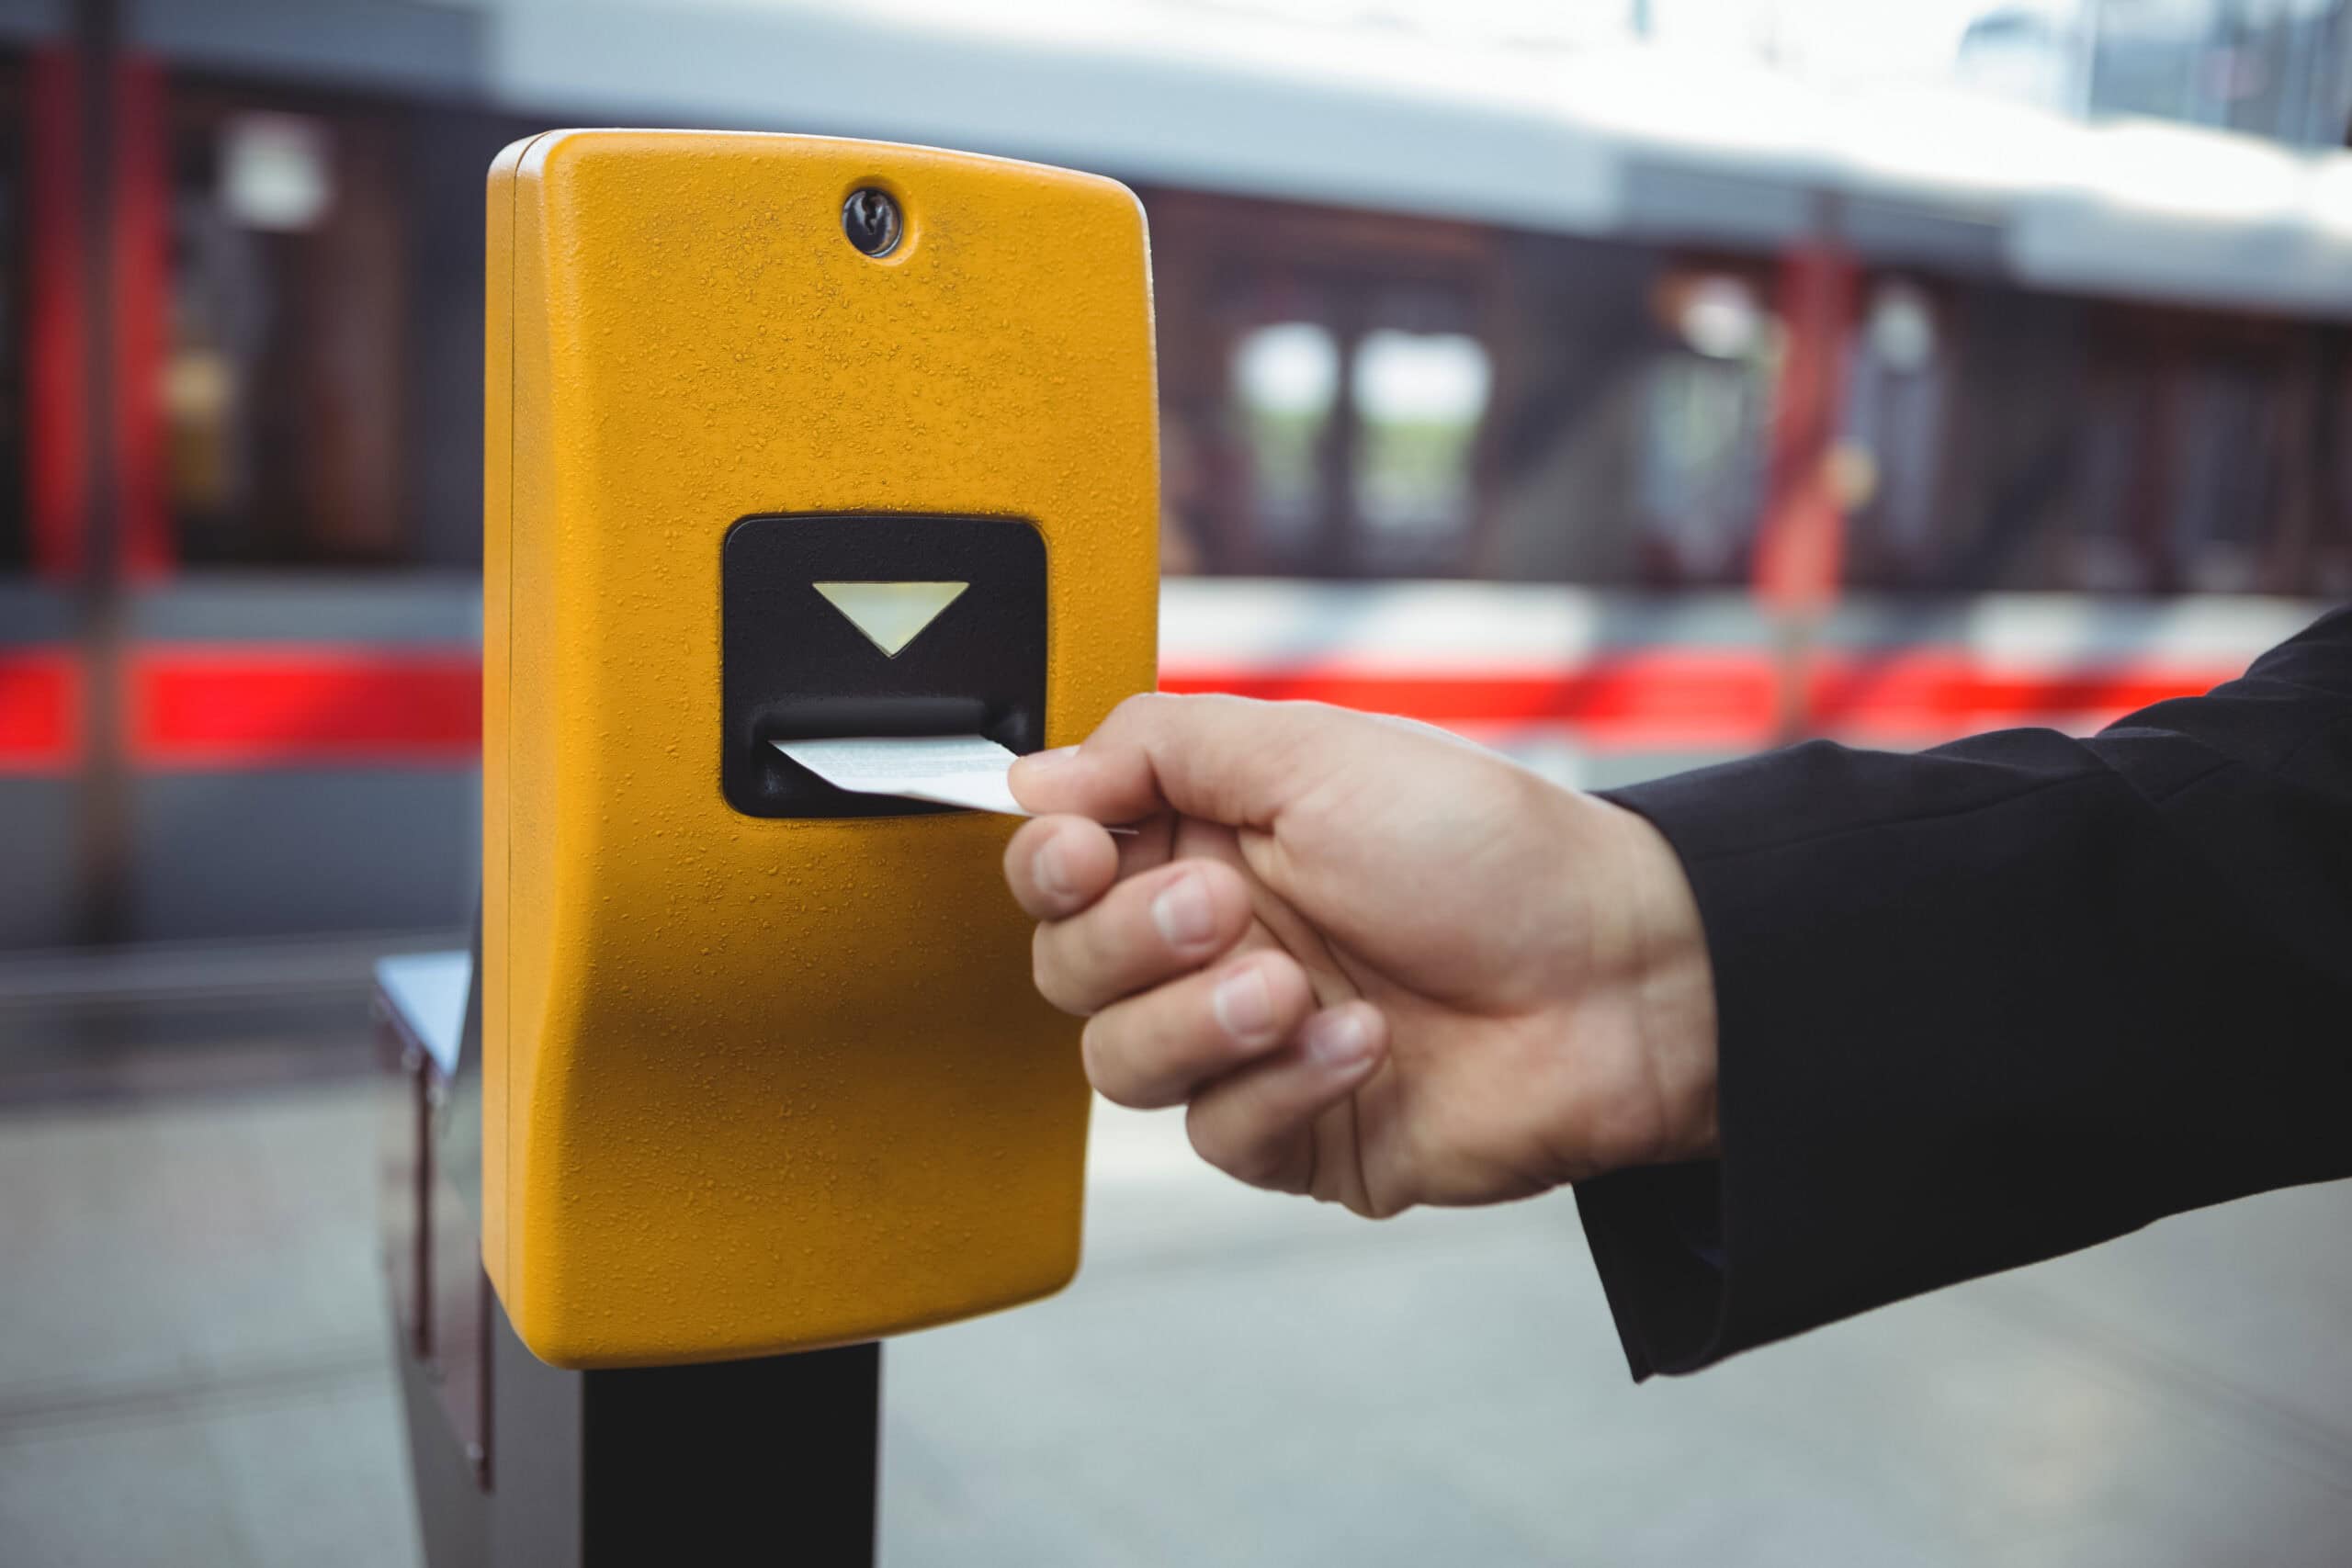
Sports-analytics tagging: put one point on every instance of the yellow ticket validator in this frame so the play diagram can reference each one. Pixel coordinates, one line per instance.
(788, 438)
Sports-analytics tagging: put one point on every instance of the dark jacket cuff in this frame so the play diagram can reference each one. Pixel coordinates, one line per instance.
(1656, 1236)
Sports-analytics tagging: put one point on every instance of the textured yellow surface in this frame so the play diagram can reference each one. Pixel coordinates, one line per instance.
(753, 1084)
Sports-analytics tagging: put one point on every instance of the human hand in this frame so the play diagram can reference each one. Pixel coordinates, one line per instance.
(1377, 964)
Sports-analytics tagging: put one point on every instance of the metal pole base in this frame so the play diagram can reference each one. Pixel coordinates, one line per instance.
(773, 1460)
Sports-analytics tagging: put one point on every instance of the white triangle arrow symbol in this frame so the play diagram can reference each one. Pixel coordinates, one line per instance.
(891, 614)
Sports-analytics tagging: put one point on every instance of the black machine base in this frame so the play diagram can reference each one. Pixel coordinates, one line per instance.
(772, 1461)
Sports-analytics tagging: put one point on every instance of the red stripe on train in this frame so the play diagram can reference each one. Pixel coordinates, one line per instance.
(257, 708)
(229, 707)
(1927, 696)
(41, 707)
(1653, 700)
(1681, 700)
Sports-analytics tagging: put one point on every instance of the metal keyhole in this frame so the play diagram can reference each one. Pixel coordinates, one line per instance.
(870, 219)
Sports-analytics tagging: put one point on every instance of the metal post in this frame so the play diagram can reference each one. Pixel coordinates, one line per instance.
(771, 1461)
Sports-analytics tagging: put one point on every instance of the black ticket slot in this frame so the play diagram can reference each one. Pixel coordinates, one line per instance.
(859, 625)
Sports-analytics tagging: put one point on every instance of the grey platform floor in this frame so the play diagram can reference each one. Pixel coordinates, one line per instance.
(192, 1372)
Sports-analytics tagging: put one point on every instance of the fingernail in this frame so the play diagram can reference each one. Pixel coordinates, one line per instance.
(1052, 758)
(1182, 913)
(1244, 1006)
(1338, 1039)
(1053, 869)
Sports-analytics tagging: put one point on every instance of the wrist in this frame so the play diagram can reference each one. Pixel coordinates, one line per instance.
(1673, 988)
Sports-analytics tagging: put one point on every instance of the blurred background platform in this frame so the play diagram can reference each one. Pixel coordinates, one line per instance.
(1628, 384)
(195, 1368)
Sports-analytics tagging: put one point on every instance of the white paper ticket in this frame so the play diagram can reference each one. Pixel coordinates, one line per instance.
(953, 770)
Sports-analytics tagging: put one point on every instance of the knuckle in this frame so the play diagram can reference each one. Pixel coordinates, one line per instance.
(1132, 711)
(1107, 940)
(1050, 972)
(1109, 1059)
(1020, 850)
(1146, 702)
(1362, 1206)
(1100, 1071)
(1293, 993)
(1253, 1160)
(1222, 878)
(1225, 893)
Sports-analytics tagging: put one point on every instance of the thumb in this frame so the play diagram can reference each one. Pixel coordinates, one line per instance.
(1228, 760)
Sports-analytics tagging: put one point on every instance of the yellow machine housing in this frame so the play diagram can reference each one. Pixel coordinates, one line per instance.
(755, 1083)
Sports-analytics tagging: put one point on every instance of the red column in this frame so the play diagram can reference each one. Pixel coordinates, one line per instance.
(1800, 541)
(1801, 537)
(57, 501)
(63, 283)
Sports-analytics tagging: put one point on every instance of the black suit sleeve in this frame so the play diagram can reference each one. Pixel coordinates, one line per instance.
(1989, 1003)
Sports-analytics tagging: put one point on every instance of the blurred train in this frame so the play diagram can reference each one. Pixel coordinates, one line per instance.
(1624, 411)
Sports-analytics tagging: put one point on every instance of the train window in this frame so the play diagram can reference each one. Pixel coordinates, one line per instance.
(2109, 458)
(1699, 459)
(276, 172)
(1895, 420)
(2169, 450)
(1719, 317)
(1578, 327)
(1699, 471)
(284, 383)
(1285, 396)
(1420, 398)
(2222, 476)
(1707, 407)
(1326, 387)
(2030, 398)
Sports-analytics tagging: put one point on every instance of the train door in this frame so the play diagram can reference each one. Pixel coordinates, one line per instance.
(302, 700)
(239, 624)
(1327, 380)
